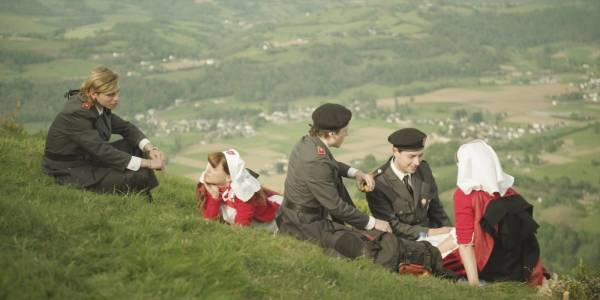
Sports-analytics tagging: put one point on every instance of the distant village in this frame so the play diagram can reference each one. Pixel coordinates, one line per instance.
(460, 125)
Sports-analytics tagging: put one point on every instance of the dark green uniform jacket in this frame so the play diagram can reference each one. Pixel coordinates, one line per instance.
(408, 216)
(314, 181)
(78, 151)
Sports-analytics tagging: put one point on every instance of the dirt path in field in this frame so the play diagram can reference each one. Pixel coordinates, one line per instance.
(523, 103)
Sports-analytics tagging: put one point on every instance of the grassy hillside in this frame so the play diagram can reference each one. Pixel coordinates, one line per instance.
(58, 242)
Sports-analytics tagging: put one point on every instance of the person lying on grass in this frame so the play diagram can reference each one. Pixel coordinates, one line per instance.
(227, 191)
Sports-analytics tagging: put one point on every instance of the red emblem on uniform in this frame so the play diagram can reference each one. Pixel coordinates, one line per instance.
(86, 105)
(320, 151)
(230, 152)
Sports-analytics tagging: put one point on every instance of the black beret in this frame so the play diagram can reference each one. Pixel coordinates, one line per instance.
(331, 116)
(408, 139)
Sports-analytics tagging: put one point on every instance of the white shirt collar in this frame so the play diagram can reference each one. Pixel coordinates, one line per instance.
(399, 173)
(100, 109)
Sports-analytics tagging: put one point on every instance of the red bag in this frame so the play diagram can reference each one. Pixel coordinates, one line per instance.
(413, 269)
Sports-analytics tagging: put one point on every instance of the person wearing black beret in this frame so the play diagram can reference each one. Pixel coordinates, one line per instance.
(406, 193)
(314, 189)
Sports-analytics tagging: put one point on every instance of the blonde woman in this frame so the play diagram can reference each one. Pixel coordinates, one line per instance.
(78, 151)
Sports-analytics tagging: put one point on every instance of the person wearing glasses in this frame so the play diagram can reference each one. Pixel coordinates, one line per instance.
(78, 150)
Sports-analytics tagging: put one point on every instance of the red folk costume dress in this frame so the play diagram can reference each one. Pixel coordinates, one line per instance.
(243, 201)
(479, 173)
(234, 210)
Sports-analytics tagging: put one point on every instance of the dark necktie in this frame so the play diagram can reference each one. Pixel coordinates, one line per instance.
(408, 187)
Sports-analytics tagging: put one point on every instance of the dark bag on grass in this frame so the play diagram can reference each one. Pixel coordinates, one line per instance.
(422, 254)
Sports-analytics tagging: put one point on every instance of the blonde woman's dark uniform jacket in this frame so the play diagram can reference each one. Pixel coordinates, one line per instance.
(408, 215)
(78, 151)
(314, 190)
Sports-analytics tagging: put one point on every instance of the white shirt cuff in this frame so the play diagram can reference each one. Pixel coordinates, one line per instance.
(352, 172)
(276, 199)
(135, 163)
(143, 144)
(371, 223)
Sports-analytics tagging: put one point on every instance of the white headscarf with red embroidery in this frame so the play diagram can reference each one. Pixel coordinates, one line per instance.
(243, 184)
(479, 169)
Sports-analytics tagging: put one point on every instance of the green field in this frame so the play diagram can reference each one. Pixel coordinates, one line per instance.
(18, 24)
(65, 68)
(107, 23)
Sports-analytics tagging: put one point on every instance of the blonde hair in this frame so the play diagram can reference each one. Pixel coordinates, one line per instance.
(100, 80)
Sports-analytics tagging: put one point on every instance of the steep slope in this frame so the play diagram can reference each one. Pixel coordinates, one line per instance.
(58, 242)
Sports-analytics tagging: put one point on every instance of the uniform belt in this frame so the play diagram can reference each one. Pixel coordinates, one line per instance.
(62, 157)
(302, 209)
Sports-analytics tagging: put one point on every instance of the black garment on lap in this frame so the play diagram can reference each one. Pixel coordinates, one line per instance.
(516, 249)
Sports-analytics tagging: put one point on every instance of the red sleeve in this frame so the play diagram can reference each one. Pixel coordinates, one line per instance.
(212, 207)
(244, 211)
(464, 217)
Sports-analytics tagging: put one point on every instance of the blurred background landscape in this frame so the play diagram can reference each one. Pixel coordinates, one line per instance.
(205, 75)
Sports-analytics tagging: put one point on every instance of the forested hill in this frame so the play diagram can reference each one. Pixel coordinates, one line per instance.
(62, 243)
(282, 52)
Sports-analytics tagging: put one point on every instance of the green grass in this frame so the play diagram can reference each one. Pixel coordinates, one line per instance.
(177, 169)
(5, 71)
(35, 127)
(579, 170)
(60, 68)
(31, 44)
(60, 242)
(584, 139)
(108, 22)
(530, 7)
(277, 137)
(176, 76)
(581, 148)
(589, 223)
(17, 24)
(414, 18)
(173, 36)
(580, 107)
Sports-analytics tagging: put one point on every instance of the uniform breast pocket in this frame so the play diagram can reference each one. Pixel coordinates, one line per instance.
(403, 211)
(426, 190)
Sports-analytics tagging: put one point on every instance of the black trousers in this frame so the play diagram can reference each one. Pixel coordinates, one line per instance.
(142, 180)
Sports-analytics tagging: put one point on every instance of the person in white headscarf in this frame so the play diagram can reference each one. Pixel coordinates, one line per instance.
(480, 181)
(228, 191)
